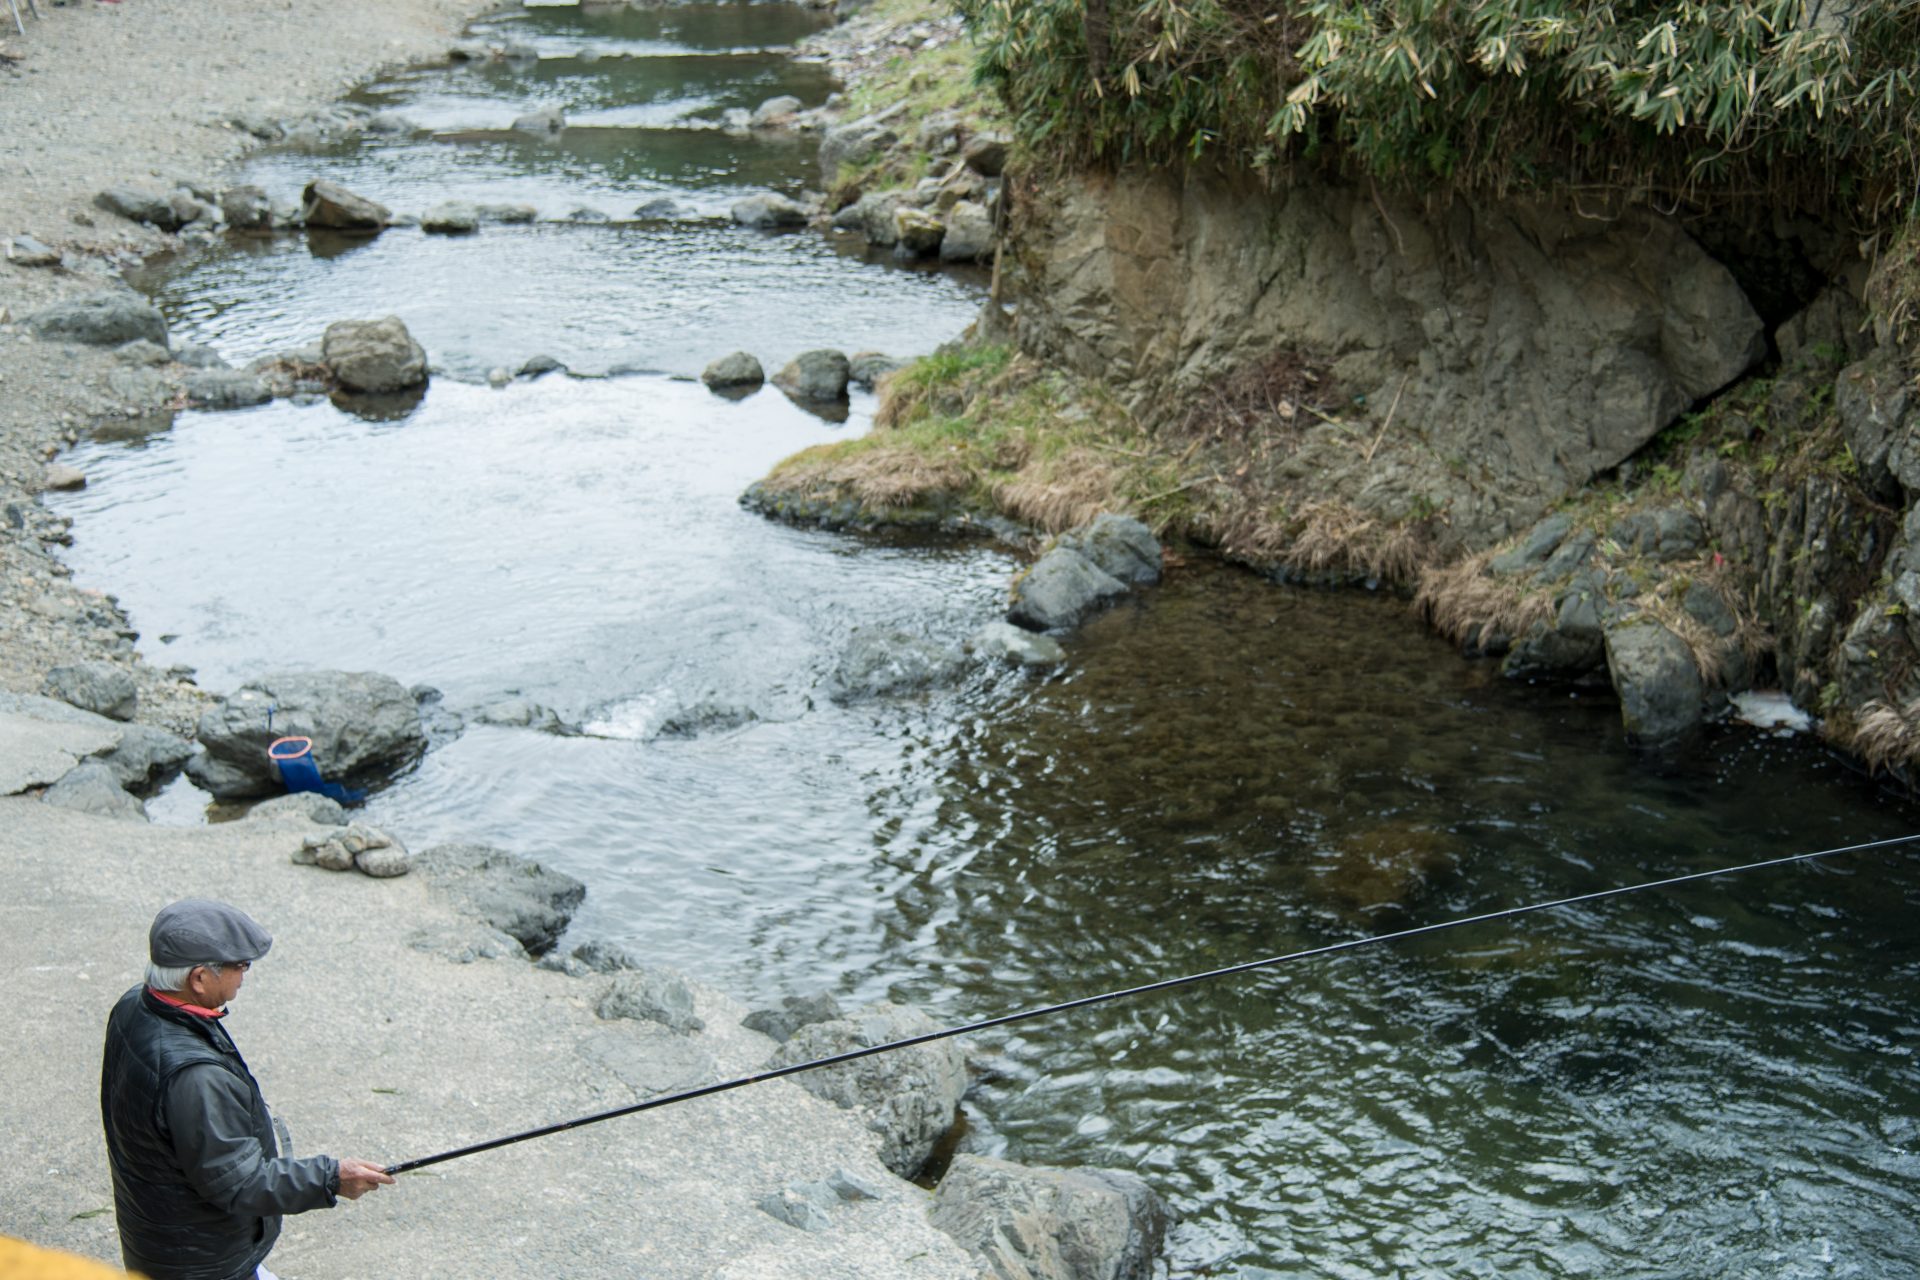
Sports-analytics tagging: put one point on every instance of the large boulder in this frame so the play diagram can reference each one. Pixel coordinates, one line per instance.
(818, 377)
(514, 895)
(364, 727)
(331, 206)
(248, 208)
(1060, 589)
(139, 204)
(373, 355)
(733, 373)
(969, 236)
(852, 143)
(917, 232)
(1030, 1222)
(1118, 546)
(1657, 680)
(99, 687)
(909, 1097)
(101, 320)
(872, 216)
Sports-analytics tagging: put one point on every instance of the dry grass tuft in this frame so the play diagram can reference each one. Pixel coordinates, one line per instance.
(1325, 537)
(886, 477)
(1335, 536)
(1062, 492)
(1464, 600)
(1884, 734)
(1277, 395)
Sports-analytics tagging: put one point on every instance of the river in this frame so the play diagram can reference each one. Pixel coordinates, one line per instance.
(1713, 1081)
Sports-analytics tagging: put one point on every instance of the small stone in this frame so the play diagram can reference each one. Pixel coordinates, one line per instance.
(549, 120)
(61, 479)
(25, 251)
(451, 218)
(851, 1186)
(796, 1211)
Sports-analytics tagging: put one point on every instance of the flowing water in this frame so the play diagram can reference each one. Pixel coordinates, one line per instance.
(1714, 1081)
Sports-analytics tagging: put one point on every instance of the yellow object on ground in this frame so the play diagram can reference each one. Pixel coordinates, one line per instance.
(22, 1261)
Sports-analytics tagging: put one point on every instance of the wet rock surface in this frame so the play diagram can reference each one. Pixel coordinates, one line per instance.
(363, 726)
(908, 1097)
(515, 895)
(1036, 1223)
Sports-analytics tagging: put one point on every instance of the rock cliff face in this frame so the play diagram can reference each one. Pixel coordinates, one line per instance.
(1520, 349)
(1490, 362)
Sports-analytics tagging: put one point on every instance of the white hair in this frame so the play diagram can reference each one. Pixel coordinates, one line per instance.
(174, 977)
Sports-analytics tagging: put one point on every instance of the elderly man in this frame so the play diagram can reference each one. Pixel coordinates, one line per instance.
(198, 1182)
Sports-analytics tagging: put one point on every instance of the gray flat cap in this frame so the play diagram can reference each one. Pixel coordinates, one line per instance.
(202, 931)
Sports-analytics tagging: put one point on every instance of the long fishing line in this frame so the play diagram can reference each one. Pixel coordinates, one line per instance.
(1167, 984)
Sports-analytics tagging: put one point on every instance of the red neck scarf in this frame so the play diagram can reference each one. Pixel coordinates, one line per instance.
(165, 997)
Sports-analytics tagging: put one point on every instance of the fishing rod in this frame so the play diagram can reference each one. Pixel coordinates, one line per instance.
(1351, 944)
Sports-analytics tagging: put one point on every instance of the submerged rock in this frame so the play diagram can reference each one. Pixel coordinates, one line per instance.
(1040, 1223)
(878, 663)
(769, 210)
(548, 120)
(1008, 643)
(909, 1097)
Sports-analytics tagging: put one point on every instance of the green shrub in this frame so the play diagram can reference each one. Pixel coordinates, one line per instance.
(1712, 103)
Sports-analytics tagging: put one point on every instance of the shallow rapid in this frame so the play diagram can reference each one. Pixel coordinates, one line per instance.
(1713, 1081)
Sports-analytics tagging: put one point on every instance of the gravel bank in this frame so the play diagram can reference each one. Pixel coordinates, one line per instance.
(96, 95)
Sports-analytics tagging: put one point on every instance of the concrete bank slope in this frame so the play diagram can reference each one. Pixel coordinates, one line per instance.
(368, 1046)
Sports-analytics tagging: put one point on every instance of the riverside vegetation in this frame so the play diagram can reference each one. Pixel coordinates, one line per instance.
(1588, 325)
